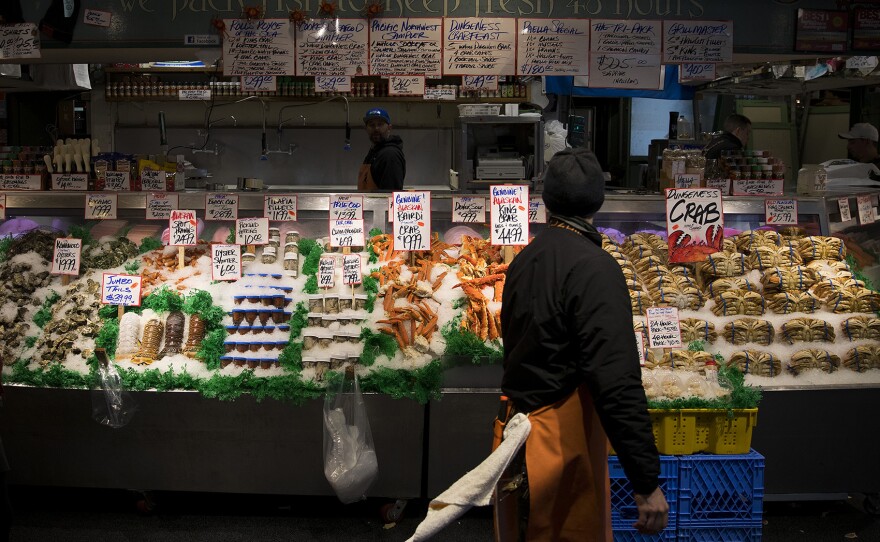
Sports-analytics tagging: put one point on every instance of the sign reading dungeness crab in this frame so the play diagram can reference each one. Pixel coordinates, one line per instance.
(694, 222)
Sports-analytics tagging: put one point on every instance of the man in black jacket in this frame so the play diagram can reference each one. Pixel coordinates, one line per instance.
(384, 167)
(570, 361)
(734, 137)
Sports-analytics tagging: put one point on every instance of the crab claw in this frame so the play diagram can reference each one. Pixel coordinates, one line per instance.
(678, 239)
(714, 235)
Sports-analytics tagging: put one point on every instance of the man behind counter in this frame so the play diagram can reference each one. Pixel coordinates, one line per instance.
(384, 167)
(734, 137)
(861, 143)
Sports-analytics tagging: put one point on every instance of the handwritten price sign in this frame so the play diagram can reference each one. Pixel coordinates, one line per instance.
(406, 85)
(412, 220)
(332, 83)
(225, 262)
(252, 231)
(757, 187)
(509, 215)
(866, 210)
(280, 208)
(66, 259)
(780, 211)
(117, 181)
(159, 206)
(346, 207)
(221, 207)
(469, 209)
(479, 82)
(351, 269)
(664, 330)
(101, 206)
(121, 290)
(70, 181)
(537, 210)
(258, 83)
(845, 211)
(696, 72)
(21, 182)
(183, 228)
(346, 233)
(152, 179)
(326, 272)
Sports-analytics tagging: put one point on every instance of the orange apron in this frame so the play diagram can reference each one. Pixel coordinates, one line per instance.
(566, 461)
(365, 179)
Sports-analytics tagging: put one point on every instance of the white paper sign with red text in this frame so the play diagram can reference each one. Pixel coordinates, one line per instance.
(280, 208)
(183, 228)
(694, 222)
(509, 214)
(412, 220)
(118, 289)
(252, 231)
(159, 206)
(781, 211)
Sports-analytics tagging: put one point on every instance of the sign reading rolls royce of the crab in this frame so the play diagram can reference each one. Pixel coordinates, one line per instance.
(694, 222)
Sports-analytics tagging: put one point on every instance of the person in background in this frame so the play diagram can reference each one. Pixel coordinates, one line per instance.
(734, 137)
(384, 167)
(571, 363)
(861, 143)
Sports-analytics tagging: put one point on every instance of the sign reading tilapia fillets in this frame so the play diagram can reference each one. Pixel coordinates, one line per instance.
(694, 222)
(412, 220)
(280, 208)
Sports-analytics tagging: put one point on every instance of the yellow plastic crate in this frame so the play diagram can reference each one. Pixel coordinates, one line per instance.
(732, 435)
(688, 431)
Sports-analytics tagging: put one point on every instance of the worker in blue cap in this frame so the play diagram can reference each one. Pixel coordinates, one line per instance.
(384, 167)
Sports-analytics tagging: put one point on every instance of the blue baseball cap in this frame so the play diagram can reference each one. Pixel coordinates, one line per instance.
(377, 113)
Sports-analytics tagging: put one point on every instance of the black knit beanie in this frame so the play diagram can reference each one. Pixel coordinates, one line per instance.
(574, 184)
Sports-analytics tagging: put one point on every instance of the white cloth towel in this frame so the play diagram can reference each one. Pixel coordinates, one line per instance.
(474, 488)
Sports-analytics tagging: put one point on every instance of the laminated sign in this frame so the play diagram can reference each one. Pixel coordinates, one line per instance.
(694, 222)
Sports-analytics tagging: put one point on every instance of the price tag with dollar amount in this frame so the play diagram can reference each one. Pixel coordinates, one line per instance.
(258, 83)
(781, 211)
(280, 208)
(252, 231)
(225, 262)
(326, 271)
(221, 207)
(406, 85)
(152, 179)
(117, 181)
(412, 220)
(119, 289)
(469, 209)
(346, 233)
(159, 206)
(351, 269)
(479, 82)
(183, 227)
(346, 207)
(866, 210)
(67, 256)
(332, 83)
(537, 210)
(70, 181)
(509, 214)
(845, 212)
(664, 330)
(101, 206)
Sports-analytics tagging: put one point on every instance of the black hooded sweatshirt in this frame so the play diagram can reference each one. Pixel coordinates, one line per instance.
(387, 163)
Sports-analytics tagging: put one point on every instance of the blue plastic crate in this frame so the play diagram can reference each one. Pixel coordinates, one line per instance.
(623, 508)
(720, 533)
(720, 488)
(632, 535)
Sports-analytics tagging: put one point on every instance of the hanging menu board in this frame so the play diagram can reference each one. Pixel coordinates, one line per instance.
(332, 47)
(625, 54)
(406, 46)
(552, 46)
(697, 41)
(479, 46)
(821, 30)
(866, 29)
(258, 47)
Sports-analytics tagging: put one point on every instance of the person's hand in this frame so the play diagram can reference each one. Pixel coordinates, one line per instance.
(653, 512)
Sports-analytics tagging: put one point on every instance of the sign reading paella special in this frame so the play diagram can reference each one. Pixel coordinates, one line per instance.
(280, 208)
(346, 207)
(552, 46)
(159, 206)
(67, 256)
(351, 269)
(412, 220)
(101, 206)
(221, 207)
(664, 329)
(509, 215)
(225, 262)
(117, 289)
(469, 209)
(694, 222)
(183, 228)
(252, 231)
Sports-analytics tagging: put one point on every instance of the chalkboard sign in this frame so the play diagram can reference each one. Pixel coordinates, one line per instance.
(552, 46)
(479, 46)
(258, 47)
(697, 41)
(332, 47)
(406, 46)
(625, 54)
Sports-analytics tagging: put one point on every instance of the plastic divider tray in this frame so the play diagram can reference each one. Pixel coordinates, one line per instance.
(623, 509)
(720, 490)
(718, 533)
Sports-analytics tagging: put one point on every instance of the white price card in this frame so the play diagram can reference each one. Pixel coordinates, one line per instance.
(757, 187)
(101, 206)
(96, 17)
(183, 227)
(225, 262)
(351, 270)
(152, 179)
(70, 181)
(159, 206)
(117, 289)
(509, 215)
(346, 233)
(280, 208)
(866, 210)
(252, 231)
(326, 271)
(696, 72)
(664, 330)
(694, 222)
(221, 207)
(67, 256)
(687, 180)
(412, 220)
(19, 41)
(469, 209)
(640, 345)
(406, 85)
(537, 210)
(721, 184)
(439, 93)
(781, 211)
(346, 207)
(21, 182)
(193, 94)
(117, 181)
(332, 83)
(258, 83)
(2, 206)
(845, 213)
(479, 82)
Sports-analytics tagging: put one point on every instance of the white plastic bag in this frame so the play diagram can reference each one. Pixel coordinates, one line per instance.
(350, 463)
(554, 139)
(111, 404)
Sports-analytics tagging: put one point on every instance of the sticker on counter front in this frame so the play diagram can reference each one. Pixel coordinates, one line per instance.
(845, 213)
(159, 206)
(66, 258)
(193, 94)
(326, 271)
(16, 181)
(117, 181)
(225, 262)
(509, 215)
(101, 206)
(346, 207)
(479, 82)
(469, 209)
(640, 345)
(346, 233)
(19, 41)
(332, 83)
(412, 220)
(96, 17)
(152, 179)
(687, 180)
(121, 290)
(70, 181)
(406, 85)
(664, 330)
(537, 210)
(183, 227)
(2, 206)
(757, 187)
(258, 83)
(866, 210)
(351, 270)
(280, 208)
(780, 212)
(252, 231)
(221, 207)
(721, 184)
(694, 222)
